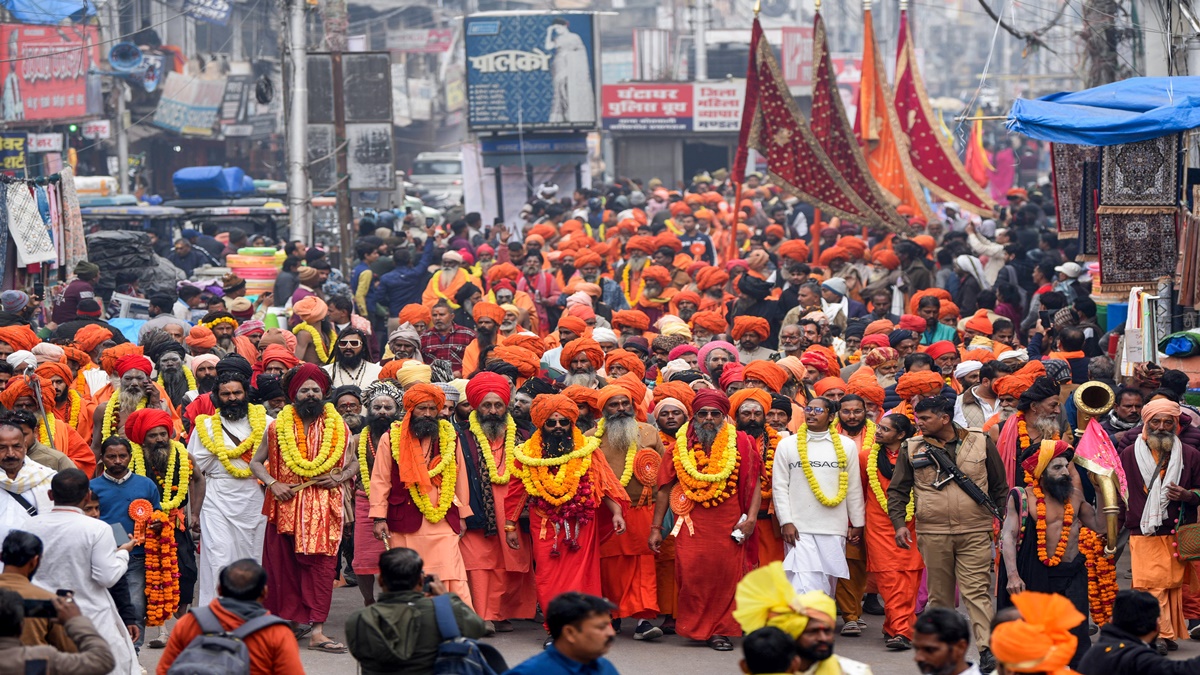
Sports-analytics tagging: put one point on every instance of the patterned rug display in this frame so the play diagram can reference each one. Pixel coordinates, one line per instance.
(1141, 174)
(1136, 247)
(1090, 182)
(1067, 162)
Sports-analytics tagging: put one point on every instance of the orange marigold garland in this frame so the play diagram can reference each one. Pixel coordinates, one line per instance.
(1068, 517)
(768, 470)
(1102, 576)
(162, 571)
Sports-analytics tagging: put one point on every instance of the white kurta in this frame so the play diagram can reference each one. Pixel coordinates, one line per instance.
(365, 374)
(81, 555)
(232, 524)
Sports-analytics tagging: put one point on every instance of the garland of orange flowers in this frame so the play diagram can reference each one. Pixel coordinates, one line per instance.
(765, 486)
(559, 487)
(1068, 517)
(708, 478)
(162, 572)
(1102, 576)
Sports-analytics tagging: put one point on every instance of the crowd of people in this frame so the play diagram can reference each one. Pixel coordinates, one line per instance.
(668, 412)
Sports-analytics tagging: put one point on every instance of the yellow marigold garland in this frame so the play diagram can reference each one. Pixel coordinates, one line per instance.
(289, 433)
(1060, 549)
(317, 339)
(110, 419)
(364, 446)
(224, 319)
(766, 483)
(75, 405)
(162, 571)
(555, 488)
(633, 301)
(187, 374)
(627, 473)
(707, 478)
(843, 474)
(485, 447)
(877, 485)
(214, 442)
(447, 468)
(177, 456)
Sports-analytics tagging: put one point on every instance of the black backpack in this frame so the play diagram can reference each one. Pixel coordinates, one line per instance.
(216, 651)
(458, 655)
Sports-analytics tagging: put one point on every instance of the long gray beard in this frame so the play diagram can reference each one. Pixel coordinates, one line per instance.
(128, 401)
(706, 436)
(493, 428)
(581, 379)
(227, 344)
(1047, 427)
(620, 433)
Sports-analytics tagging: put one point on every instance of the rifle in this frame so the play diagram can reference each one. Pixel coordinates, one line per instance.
(945, 465)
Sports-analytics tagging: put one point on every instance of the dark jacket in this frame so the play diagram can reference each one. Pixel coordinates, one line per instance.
(407, 619)
(1079, 366)
(403, 285)
(1189, 434)
(1118, 653)
(855, 309)
(891, 399)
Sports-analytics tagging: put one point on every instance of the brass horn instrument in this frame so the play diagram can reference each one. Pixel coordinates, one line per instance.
(1092, 400)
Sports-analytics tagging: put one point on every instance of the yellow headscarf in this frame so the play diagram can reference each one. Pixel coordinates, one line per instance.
(766, 598)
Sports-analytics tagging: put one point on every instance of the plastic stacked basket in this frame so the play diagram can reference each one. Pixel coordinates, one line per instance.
(258, 266)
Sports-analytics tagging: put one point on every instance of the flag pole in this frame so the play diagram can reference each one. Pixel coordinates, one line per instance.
(743, 151)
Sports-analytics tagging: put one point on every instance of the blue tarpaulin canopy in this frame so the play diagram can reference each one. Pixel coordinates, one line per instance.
(49, 12)
(1136, 109)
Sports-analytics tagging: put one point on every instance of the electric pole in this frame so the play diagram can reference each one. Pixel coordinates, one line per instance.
(297, 124)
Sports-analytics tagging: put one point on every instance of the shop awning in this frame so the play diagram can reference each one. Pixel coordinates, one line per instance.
(1128, 111)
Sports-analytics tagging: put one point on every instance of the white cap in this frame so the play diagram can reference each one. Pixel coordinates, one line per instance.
(1071, 269)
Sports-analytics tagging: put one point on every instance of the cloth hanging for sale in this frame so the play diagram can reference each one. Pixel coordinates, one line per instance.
(1142, 174)
(1136, 247)
(27, 228)
(74, 246)
(1066, 173)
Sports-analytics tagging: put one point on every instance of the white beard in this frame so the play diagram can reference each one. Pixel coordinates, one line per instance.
(581, 379)
(620, 434)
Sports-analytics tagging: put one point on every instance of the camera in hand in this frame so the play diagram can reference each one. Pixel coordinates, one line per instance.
(40, 609)
(428, 584)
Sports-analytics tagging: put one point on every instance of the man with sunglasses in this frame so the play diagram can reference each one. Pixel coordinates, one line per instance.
(817, 490)
(350, 364)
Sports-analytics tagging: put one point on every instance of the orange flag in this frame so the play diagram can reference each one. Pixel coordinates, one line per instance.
(979, 167)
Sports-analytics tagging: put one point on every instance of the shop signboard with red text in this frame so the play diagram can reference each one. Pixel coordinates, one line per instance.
(45, 71)
(711, 107)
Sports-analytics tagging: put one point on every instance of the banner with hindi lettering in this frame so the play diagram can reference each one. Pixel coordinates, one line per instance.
(534, 71)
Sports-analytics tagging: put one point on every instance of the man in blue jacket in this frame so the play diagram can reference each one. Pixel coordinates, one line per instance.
(404, 284)
(1123, 647)
(581, 633)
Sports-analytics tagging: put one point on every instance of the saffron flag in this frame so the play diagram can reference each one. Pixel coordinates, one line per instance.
(836, 136)
(772, 125)
(932, 156)
(878, 130)
(979, 167)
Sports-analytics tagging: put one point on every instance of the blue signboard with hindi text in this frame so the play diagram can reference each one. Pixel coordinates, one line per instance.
(532, 71)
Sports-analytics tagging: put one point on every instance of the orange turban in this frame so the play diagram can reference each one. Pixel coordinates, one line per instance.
(794, 249)
(583, 258)
(688, 296)
(281, 354)
(939, 293)
(23, 338)
(886, 258)
(709, 321)
(108, 360)
(55, 368)
(737, 398)
(528, 364)
(820, 361)
(1014, 384)
(793, 366)
(586, 346)
(710, 277)
(416, 313)
(833, 253)
(668, 240)
(676, 390)
(637, 392)
(488, 310)
(681, 261)
(87, 338)
(980, 355)
(573, 323)
(854, 246)
(774, 229)
(948, 309)
(863, 383)
(628, 225)
(200, 337)
(826, 383)
(754, 324)
(768, 372)
(547, 404)
(543, 230)
(141, 422)
(1041, 640)
(389, 369)
(77, 355)
(878, 327)
(640, 243)
(628, 360)
(503, 270)
(311, 309)
(924, 384)
(410, 457)
(18, 387)
(980, 322)
(532, 343)
(604, 395)
(658, 275)
(680, 208)
(926, 242)
(634, 318)
(581, 394)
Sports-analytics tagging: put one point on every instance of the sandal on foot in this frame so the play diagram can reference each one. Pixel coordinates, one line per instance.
(898, 643)
(720, 643)
(851, 629)
(302, 631)
(503, 626)
(329, 647)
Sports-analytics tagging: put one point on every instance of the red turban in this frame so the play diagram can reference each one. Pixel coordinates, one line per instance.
(87, 338)
(23, 338)
(833, 253)
(826, 383)
(768, 372)
(676, 390)
(912, 322)
(752, 324)
(586, 346)
(581, 394)
(281, 354)
(532, 343)
(304, 373)
(980, 322)
(924, 384)
(548, 404)
(710, 277)
(528, 364)
(200, 337)
(730, 373)
(940, 349)
(55, 368)
(819, 361)
(794, 249)
(709, 321)
(628, 360)
(634, 318)
(886, 258)
(416, 313)
(875, 340)
(141, 422)
(640, 243)
(586, 258)
(482, 384)
(711, 398)
(133, 362)
(658, 275)
(18, 386)
(573, 323)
